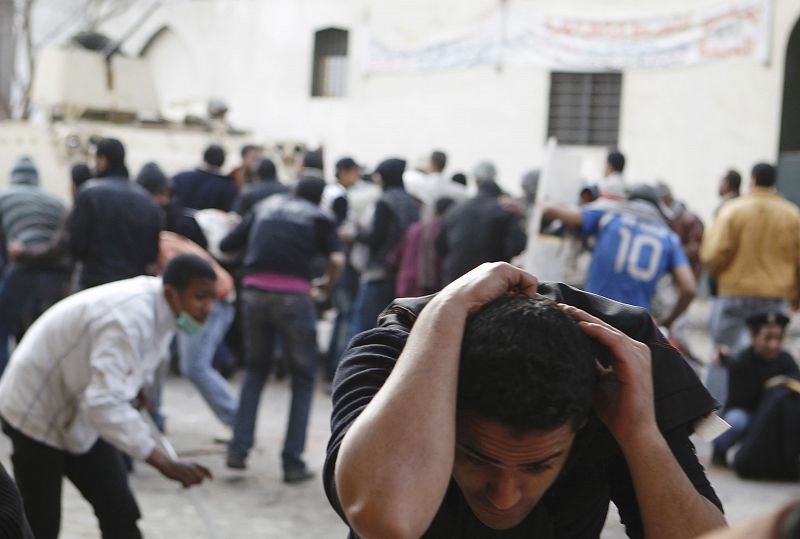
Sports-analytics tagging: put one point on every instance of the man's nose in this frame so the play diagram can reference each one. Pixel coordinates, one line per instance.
(503, 491)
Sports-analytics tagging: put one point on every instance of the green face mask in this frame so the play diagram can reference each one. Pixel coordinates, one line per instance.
(188, 325)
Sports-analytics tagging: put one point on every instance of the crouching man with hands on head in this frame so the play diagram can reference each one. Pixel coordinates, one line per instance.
(489, 410)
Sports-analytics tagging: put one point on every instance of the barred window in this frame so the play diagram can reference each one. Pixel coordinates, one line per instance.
(584, 108)
(329, 77)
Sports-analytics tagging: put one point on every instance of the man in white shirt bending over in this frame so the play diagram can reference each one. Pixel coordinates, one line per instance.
(66, 396)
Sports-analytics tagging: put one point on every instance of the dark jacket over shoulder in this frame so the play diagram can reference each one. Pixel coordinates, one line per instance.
(596, 472)
(477, 231)
(201, 189)
(255, 192)
(282, 235)
(113, 230)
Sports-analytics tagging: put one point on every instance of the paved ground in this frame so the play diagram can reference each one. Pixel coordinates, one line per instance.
(256, 504)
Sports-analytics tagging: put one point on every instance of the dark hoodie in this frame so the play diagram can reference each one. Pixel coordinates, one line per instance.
(115, 224)
(395, 211)
(477, 231)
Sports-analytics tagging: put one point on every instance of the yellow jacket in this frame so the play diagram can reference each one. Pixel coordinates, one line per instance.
(753, 247)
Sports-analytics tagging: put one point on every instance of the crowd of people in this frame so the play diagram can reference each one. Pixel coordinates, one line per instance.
(504, 430)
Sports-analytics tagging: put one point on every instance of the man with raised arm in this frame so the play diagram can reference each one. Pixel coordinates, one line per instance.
(492, 411)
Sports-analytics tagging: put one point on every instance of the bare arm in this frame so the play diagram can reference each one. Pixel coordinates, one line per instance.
(687, 289)
(569, 215)
(396, 460)
(186, 473)
(670, 505)
(335, 264)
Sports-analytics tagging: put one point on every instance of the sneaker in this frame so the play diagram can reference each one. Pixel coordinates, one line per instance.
(296, 475)
(236, 462)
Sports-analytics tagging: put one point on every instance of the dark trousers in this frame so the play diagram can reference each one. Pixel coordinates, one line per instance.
(99, 475)
(266, 316)
(24, 295)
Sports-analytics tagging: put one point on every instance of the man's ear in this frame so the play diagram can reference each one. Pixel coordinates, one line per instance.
(173, 297)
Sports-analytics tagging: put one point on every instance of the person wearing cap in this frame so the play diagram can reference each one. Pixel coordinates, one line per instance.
(264, 185)
(29, 219)
(748, 374)
(281, 237)
(634, 249)
(205, 187)
(752, 249)
(482, 229)
(114, 225)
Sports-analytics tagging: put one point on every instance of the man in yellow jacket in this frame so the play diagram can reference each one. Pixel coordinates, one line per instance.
(753, 250)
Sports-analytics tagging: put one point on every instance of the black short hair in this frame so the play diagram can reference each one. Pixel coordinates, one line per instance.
(266, 170)
(764, 175)
(184, 268)
(459, 177)
(313, 159)
(439, 159)
(616, 160)
(526, 364)
(247, 148)
(112, 149)
(734, 180)
(214, 155)
(114, 153)
(80, 173)
(310, 189)
(153, 179)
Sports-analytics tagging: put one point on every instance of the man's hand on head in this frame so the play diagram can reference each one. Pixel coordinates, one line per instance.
(624, 393)
(488, 281)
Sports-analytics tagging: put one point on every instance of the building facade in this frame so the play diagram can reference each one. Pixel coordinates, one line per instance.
(312, 70)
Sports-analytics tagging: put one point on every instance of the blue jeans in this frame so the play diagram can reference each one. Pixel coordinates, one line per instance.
(344, 295)
(739, 420)
(196, 353)
(372, 298)
(26, 294)
(728, 328)
(294, 318)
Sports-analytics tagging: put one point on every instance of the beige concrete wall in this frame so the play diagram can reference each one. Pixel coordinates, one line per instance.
(685, 125)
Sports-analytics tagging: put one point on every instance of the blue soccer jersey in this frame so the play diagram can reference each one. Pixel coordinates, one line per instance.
(630, 256)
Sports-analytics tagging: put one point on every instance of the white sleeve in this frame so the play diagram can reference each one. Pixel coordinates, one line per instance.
(116, 378)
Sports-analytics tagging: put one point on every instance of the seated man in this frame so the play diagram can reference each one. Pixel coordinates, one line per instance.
(480, 418)
(748, 374)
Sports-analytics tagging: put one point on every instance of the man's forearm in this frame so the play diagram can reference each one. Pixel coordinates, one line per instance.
(684, 300)
(396, 460)
(670, 505)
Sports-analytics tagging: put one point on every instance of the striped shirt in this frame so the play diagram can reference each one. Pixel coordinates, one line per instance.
(30, 215)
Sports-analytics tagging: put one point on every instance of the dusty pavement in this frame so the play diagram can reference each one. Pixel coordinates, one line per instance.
(256, 504)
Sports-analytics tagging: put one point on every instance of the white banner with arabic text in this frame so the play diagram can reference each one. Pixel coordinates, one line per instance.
(517, 35)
